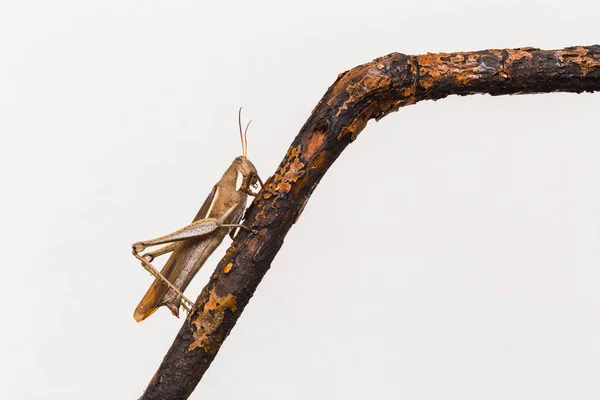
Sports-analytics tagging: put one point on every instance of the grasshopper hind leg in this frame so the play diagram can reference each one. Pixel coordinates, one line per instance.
(197, 228)
(151, 255)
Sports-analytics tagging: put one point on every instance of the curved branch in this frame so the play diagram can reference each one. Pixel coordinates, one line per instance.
(368, 91)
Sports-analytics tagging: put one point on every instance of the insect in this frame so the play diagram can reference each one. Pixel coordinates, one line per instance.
(191, 245)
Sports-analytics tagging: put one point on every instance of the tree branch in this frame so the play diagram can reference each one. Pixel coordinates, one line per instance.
(368, 91)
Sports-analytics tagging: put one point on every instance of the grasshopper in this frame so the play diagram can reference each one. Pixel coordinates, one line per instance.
(191, 245)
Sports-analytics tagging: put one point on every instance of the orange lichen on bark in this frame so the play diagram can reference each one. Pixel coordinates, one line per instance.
(290, 172)
(407, 96)
(463, 67)
(362, 81)
(227, 268)
(518, 54)
(513, 55)
(263, 216)
(374, 81)
(377, 79)
(579, 56)
(342, 82)
(209, 320)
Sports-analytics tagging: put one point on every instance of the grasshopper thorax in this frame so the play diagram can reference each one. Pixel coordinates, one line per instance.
(240, 176)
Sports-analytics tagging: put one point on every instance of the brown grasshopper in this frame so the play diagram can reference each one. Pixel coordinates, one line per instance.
(191, 245)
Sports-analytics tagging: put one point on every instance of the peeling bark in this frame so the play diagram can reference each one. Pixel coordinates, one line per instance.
(368, 91)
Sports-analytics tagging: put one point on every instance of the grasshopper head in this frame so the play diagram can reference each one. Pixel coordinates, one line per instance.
(247, 173)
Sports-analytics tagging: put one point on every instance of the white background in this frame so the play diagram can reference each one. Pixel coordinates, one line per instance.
(451, 252)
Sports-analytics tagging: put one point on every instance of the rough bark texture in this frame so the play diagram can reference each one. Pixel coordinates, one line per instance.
(368, 91)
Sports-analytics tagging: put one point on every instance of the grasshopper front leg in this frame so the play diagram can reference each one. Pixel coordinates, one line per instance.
(249, 191)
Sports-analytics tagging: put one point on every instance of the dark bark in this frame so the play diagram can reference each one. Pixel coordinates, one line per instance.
(372, 90)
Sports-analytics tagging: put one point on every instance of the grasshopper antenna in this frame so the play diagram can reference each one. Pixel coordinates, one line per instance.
(246, 139)
(243, 137)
